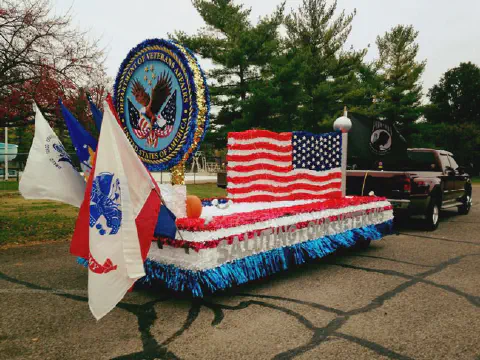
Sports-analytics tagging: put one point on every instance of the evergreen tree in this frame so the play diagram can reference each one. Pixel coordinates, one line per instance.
(399, 101)
(456, 98)
(239, 50)
(326, 73)
(363, 94)
(275, 99)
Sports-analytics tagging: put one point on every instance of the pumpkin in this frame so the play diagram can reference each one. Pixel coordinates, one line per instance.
(194, 206)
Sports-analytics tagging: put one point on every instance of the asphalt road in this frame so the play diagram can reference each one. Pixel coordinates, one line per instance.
(410, 296)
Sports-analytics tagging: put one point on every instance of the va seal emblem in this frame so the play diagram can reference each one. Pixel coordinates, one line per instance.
(381, 138)
(162, 100)
(105, 205)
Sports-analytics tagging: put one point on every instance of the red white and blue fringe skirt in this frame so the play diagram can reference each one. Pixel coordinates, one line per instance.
(247, 242)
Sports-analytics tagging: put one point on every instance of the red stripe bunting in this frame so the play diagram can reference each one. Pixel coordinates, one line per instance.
(248, 168)
(285, 178)
(254, 134)
(259, 156)
(282, 189)
(260, 146)
(291, 197)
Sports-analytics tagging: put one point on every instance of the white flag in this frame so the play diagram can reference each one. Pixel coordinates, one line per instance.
(49, 173)
(120, 188)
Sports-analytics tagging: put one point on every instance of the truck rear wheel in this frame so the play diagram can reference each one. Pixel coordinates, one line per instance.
(432, 216)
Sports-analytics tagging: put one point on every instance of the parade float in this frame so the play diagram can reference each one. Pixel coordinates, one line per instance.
(286, 200)
(285, 203)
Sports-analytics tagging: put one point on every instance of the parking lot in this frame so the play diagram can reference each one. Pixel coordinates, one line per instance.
(415, 295)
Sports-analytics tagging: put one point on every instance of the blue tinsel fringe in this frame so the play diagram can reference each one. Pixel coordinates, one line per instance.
(82, 261)
(256, 266)
(207, 93)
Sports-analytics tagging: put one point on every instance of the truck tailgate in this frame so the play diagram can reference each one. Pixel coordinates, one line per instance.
(383, 183)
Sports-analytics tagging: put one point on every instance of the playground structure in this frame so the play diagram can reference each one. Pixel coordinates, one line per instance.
(200, 164)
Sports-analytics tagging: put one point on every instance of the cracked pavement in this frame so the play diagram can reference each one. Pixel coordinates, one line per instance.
(415, 295)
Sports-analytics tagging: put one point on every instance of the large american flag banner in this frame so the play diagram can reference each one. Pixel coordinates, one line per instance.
(269, 166)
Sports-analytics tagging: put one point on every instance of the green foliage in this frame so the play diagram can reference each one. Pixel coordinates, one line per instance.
(401, 90)
(325, 73)
(275, 100)
(456, 98)
(453, 117)
(239, 51)
(463, 140)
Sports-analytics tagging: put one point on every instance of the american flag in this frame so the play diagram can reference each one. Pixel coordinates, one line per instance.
(268, 166)
(140, 126)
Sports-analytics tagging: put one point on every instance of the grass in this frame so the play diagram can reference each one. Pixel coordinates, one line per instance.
(8, 185)
(24, 221)
(476, 180)
(32, 221)
(204, 191)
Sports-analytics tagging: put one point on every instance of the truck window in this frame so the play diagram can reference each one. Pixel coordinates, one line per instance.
(453, 163)
(444, 161)
(422, 161)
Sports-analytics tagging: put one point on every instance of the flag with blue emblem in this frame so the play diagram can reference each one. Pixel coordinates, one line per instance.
(96, 113)
(49, 173)
(117, 218)
(268, 166)
(84, 143)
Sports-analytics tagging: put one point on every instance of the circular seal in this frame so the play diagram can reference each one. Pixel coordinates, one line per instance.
(381, 141)
(161, 97)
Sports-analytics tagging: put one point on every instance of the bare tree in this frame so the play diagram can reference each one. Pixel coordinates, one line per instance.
(36, 44)
(32, 38)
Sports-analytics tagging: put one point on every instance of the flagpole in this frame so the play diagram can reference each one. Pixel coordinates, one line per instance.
(344, 125)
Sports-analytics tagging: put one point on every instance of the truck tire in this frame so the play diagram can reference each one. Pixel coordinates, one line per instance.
(432, 215)
(467, 204)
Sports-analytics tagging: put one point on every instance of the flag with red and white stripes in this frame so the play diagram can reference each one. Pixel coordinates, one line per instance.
(269, 166)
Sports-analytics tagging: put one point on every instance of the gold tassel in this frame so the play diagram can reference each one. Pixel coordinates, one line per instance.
(177, 174)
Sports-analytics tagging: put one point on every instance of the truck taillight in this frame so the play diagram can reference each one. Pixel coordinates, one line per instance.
(407, 185)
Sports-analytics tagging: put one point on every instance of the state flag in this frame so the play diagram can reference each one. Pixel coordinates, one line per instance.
(84, 143)
(49, 172)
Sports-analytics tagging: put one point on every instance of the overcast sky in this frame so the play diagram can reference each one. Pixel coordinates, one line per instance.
(449, 30)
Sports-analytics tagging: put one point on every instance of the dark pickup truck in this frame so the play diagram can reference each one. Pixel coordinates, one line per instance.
(429, 181)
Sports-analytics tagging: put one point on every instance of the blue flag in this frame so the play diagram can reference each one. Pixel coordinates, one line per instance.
(165, 224)
(84, 143)
(96, 113)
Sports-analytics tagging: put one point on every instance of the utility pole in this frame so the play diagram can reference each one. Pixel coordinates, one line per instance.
(6, 153)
